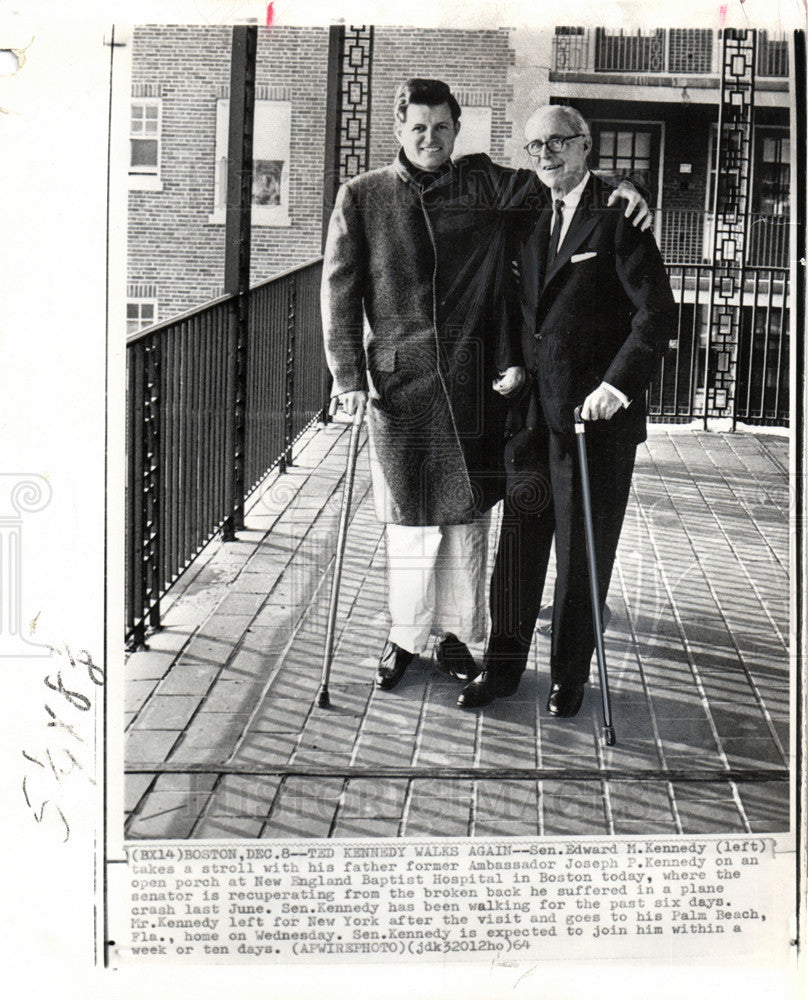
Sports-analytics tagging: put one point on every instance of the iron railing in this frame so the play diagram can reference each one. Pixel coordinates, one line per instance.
(685, 236)
(187, 436)
(675, 51)
(683, 389)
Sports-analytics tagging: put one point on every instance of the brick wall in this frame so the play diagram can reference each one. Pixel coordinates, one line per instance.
(172, 244)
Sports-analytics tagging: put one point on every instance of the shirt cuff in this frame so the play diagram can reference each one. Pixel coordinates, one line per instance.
(616, 392)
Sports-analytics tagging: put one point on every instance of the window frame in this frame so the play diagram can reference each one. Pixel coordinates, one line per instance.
(141, 179)
(138, 302)
(261, 215)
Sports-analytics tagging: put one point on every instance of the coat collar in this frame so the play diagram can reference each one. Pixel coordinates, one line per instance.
(421, 180)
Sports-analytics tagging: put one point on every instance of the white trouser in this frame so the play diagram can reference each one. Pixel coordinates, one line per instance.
(436, 581)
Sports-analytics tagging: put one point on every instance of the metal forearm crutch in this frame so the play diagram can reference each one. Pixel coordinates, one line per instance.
(323, 699)
(594, 590)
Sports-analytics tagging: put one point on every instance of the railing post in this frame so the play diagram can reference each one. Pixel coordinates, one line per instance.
(289, 384)
(150, 493)
(237, 258)
(731, 214)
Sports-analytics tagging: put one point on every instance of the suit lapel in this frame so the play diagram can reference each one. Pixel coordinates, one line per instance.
(583, 222)
(534, 257)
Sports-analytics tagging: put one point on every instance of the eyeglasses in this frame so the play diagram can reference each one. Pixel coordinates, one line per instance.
(555, 145)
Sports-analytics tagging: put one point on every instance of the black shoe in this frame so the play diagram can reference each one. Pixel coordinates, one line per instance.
(501, 683)
(453, 657)
(565, 700)
(392, 664)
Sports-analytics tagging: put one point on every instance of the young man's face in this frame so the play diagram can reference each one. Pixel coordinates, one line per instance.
(427, 135)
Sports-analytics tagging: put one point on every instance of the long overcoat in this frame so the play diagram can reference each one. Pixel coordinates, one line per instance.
(415, 308)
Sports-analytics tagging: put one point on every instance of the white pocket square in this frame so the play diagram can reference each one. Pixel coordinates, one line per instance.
(578, 257)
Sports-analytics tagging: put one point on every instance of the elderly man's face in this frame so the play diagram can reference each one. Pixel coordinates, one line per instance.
(428, 135)
(559, 171)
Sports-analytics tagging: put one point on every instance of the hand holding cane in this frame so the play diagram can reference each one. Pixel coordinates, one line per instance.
(594, 590)
(323, 699)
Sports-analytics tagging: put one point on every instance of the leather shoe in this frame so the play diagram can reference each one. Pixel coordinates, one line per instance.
(565, 700)
(453, 657)
(392, 664)
(488, 686)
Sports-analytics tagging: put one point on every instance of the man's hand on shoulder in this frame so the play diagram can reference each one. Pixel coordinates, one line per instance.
(636, 205)
(352, 403)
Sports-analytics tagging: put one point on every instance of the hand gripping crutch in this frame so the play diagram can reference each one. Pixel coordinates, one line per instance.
(608, 728)
(323, 699)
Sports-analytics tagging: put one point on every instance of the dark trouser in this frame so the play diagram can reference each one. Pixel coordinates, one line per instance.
(543, 499)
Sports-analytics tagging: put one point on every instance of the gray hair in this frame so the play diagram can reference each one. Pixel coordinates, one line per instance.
(571, 117)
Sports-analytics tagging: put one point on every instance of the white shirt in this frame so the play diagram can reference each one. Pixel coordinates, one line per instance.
(570, 200)
(570, 204)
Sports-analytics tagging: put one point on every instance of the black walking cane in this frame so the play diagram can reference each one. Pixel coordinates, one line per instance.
(608, 728)
(323, 699)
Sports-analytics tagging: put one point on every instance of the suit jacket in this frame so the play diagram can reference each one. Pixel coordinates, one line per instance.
(601, 311)
(415, 310)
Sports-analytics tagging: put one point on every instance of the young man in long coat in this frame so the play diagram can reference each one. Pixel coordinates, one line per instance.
(418, 328)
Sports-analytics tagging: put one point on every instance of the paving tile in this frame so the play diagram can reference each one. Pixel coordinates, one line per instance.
(148, 665)
(304, 807)
(171, 711)
(188, 679)
(573, 807)
(228, 827)
(766, 806)
(135, 785)
(700, 816)
(752, 752)
(228, 694)
(169, 815)
(246, 795)
(369, 797)
(496, 827)
(214, 729)
(146, 746)
(224, 625)
(136, 692)
(360, 827)
(507, 800)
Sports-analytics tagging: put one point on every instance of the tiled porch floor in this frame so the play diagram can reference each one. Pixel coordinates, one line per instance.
(224, 739)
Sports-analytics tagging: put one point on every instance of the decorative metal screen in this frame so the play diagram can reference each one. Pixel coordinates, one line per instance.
(354, 112)
(731, 214)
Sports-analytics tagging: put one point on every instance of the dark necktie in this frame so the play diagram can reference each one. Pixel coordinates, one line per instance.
(558, 221)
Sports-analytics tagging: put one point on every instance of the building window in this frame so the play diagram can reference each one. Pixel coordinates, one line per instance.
(144, 145)
(769, 223)
(140, 313)
(271, 157)
(772, 54)
(627, 149)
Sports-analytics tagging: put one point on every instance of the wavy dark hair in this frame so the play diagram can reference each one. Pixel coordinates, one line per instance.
(420, 91)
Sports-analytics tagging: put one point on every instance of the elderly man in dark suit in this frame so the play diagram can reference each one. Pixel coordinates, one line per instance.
(597, 310)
